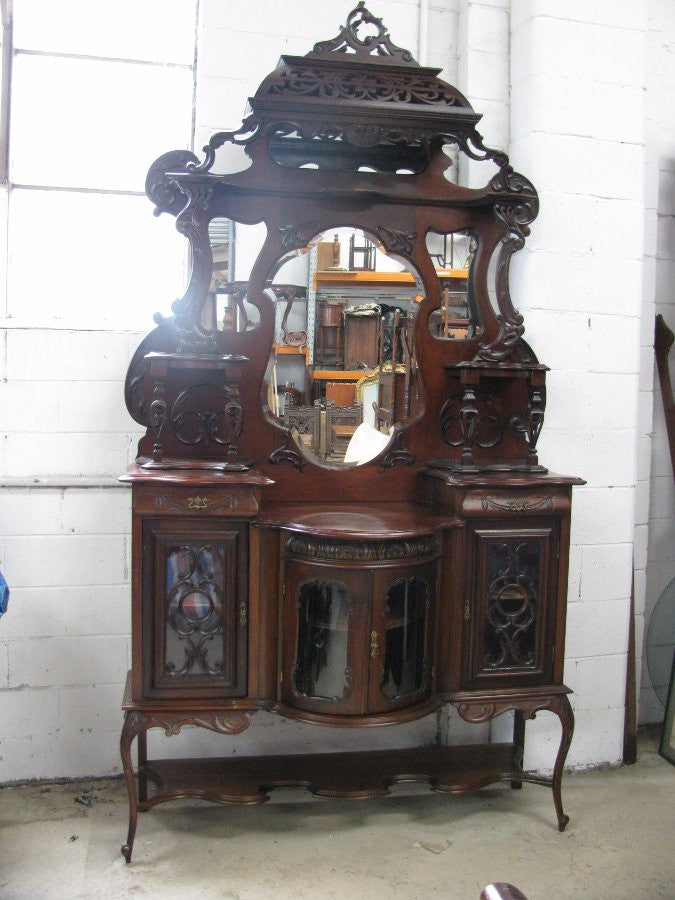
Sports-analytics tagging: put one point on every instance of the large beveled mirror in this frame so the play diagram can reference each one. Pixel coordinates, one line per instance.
(342, 371)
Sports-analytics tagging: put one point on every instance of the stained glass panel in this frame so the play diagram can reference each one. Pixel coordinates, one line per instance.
(194, 609)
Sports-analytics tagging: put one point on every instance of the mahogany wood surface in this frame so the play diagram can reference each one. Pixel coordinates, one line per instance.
(350, 776)
(267, 578)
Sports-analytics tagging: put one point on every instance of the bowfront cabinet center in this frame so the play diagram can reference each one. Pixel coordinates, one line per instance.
(339, 514)
(358, 622)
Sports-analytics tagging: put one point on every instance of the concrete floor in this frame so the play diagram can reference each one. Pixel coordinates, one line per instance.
(63, 841)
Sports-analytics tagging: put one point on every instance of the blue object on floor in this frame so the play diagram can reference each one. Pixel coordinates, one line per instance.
(4, 595)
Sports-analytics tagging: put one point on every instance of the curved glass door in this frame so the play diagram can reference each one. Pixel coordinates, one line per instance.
(322, 666)
(405, 626)
(325, 617)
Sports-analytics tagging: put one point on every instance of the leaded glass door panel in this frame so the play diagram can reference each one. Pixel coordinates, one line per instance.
(196, 608)
(510, 617)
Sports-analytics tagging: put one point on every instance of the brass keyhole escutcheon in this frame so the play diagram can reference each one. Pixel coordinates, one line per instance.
(374, 649)
(467, 610)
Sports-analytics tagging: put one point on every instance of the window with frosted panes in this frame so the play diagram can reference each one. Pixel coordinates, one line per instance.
(97, 91)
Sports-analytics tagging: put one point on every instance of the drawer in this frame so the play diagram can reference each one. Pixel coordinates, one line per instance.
(197, 501)
(500, 503)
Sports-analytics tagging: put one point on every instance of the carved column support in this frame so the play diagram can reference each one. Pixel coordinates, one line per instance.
(535, 411)
(158, 416)
(535, 416)
(530, 424)
(468, 420)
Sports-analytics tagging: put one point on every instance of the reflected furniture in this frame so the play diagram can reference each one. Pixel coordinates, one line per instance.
(329, 346)
(361, 333)
(371, 595)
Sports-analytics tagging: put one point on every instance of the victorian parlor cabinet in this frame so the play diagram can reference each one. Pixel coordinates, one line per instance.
(430, 567)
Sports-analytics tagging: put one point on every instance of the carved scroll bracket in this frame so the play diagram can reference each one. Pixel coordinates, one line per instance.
(398, 456)
(480, 711)
(517, 206)
(287, 454)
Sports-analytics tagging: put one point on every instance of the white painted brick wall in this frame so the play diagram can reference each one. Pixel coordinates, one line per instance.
(483, 76)
(65, 554)
(659, 566)
(575, 71)
(562, 88)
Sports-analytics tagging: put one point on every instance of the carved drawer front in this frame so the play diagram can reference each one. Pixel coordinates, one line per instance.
(197, 501)
(508, 504)
(510, 611)
(195, 608)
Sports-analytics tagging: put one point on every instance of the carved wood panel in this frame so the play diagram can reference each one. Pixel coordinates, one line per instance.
(509, 614)
(196, 608)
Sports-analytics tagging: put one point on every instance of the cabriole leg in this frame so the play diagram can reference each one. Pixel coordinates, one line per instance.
(563, 710)
(132, 727)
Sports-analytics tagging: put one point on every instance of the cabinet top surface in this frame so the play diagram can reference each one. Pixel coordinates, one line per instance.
(192, 477)
(498, 479)
(388, 520)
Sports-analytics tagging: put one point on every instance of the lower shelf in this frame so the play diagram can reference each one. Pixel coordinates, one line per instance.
(360, 776)
(353, 775)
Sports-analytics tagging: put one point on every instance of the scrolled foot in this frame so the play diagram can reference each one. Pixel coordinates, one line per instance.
(562, 822)
(126, 852)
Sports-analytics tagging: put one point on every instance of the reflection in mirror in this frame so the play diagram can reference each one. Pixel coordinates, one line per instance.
(342, 370)
(227, 308)
(453, 255)
(232, 309)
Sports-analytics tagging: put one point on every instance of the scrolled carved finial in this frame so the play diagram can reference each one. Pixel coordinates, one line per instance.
(366, 48)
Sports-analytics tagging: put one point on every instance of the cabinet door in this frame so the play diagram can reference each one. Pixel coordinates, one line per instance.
(510, 614)
(325, 614)
(400, 640)
(195, 608)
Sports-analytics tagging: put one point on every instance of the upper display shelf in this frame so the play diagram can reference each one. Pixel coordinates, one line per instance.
(355, 137)
(361, 90)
